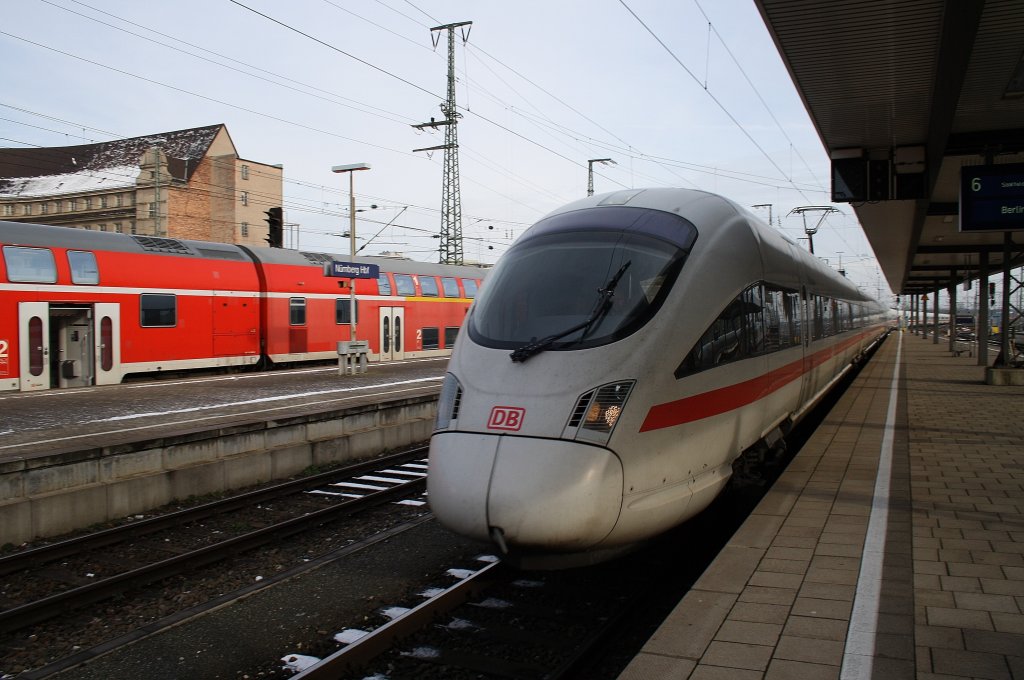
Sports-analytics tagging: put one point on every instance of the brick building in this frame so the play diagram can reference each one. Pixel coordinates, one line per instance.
(188, 184)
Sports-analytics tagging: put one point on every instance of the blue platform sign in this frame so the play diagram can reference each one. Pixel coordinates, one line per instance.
(352, 270)
(992, 197)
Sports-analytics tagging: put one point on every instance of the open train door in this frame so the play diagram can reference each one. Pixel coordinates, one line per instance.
(107, 334)
(34, 345)
(392, 322)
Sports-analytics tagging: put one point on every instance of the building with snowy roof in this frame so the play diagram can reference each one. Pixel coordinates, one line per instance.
(188, 184)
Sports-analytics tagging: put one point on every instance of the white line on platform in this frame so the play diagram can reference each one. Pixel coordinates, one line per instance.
(859, 653)
(205, 418)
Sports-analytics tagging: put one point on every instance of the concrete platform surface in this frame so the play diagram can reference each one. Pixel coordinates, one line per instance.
(892, 547)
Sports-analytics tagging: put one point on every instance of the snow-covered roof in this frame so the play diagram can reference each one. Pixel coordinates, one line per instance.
(26, 172)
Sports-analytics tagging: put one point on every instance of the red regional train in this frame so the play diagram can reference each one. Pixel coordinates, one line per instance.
(84, 308)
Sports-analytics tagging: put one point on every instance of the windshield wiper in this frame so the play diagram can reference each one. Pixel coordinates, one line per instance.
(604, 301)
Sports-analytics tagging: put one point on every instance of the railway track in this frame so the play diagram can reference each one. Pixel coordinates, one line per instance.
(496, 622)
(42, 582)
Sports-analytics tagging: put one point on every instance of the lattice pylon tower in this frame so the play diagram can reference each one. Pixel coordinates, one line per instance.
(451, 199)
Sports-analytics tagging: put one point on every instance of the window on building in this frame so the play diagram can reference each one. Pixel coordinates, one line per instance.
(118, 228)
(404, 284)
(57, 206)
(245, 172)
(103, 227)
(30, 265)
(103, 201)
(341, 311)
(44, 208)
(132, 223)
(245, 198)
(119, 200)
(71, 205)
(8, 209)
(428, 286)
(158, 310)
(88, 203)
(297, 311)
(26, 209)
(84, 270)
(245, 229)
(152, 209)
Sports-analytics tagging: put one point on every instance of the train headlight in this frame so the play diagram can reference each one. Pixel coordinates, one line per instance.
(597, 412)
(448, 403)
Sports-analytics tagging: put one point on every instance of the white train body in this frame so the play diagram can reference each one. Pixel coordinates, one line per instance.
(708, 332)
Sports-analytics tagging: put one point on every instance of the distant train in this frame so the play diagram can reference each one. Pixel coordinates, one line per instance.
(83, 308)
(626, 350)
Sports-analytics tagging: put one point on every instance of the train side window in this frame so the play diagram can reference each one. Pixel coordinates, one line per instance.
(450, 286)
(30, 265)
(469, 285)
(404, 285)
(158, 310)
(430, 338)
(738, 333)
(450, 333)
(383, 284)
(818, 304)
(781, 318)
(428, 286)
(342, 312)
(83, 267)
(297, 311)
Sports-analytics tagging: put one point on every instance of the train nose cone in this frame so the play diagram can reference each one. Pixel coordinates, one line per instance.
(542, 494)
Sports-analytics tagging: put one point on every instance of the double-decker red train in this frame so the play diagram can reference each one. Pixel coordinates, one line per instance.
(84, 308)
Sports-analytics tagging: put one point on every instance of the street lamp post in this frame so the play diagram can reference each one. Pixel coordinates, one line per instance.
(350, 169)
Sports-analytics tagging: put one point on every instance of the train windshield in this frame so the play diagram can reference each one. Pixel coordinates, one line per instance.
(573, 290)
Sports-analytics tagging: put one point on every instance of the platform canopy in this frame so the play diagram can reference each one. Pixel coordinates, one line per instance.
(904, 93)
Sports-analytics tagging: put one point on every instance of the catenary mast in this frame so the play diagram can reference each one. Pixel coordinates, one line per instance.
(451, 201)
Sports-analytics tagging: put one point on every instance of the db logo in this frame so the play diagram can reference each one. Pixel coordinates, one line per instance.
(506, 418)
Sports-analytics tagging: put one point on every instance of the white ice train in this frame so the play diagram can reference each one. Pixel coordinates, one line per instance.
(621, 355)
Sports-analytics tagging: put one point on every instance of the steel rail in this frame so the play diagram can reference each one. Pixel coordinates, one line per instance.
(373, 644)
(49, 607)
(47, 553)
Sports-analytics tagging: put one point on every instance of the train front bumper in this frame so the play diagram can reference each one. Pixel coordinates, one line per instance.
(540, 494)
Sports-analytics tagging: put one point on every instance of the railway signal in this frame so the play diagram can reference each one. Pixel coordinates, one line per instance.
(275, 231)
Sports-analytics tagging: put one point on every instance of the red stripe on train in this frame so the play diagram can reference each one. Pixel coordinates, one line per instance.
(731, 397)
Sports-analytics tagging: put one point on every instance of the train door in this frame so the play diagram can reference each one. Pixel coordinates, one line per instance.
(807, 374)
(392, 326)
(71, 346)
(106, 338)
(34, 344)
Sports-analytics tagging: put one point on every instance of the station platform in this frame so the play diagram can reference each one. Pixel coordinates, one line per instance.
(891, 547)
(73, 458)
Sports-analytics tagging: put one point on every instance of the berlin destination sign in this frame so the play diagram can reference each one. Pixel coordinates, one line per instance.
(992, 197)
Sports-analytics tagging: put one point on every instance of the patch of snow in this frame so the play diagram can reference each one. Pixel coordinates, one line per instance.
(298, 662)
(423, 653)
(460, 573)
(432, 592)
(394, 612)
(349, 635)
(72, 182)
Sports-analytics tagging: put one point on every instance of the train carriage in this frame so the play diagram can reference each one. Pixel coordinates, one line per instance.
(627, 350)
(84, 308)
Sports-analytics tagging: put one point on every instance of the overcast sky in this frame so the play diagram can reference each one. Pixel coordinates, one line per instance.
(688, 93)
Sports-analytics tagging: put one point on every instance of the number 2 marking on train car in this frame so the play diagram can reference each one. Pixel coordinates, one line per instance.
(3, 356)
(506, 418)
